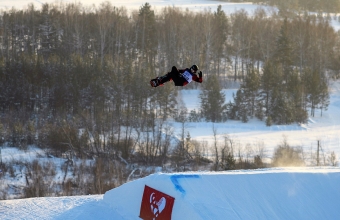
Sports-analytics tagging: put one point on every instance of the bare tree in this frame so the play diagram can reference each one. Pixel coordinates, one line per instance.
(215, 147)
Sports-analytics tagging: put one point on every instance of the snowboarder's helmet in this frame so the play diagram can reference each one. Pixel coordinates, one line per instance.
(194, 67)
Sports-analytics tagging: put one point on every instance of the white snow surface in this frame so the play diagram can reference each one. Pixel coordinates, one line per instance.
(282, 193)
(197, 5)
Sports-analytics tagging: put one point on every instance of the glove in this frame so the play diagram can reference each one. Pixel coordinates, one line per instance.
(200, 74)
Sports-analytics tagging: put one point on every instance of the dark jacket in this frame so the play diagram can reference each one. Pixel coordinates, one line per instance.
(189, 76)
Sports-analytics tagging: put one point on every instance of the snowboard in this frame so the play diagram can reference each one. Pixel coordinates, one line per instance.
(154, 82)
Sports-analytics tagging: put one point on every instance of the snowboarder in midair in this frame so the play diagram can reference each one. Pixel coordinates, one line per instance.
(181, 77)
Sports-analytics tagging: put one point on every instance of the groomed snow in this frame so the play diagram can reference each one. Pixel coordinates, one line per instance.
(282, 193)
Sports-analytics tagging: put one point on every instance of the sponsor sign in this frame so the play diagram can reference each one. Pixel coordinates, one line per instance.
(156, 205)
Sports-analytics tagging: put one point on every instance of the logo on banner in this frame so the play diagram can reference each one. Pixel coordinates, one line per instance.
(156, 205)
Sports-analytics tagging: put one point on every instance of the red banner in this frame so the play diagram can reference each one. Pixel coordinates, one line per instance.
(156, 205)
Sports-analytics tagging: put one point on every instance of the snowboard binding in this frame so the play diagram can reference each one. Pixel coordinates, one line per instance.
(155, 82)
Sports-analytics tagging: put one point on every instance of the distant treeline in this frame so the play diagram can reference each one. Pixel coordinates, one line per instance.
(66, 67)
(327, 6)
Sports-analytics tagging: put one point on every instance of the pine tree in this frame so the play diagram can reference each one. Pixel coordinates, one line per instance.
(316, 90)
(295, 98)
(220, 26)
(283, 53)
(146, 32)
(247, 96)
(241, 107)
(269, 81)
(212, 100)
(47, 32)
(281, 110)
(251, 85)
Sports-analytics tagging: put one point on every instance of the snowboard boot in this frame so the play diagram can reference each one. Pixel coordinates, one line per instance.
(154, 82)
(159, 81)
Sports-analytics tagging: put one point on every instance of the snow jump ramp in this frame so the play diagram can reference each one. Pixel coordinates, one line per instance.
(301, 193)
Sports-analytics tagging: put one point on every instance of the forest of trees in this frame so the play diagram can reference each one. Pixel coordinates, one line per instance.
(91, 66)
(327, 6)
(76, 78)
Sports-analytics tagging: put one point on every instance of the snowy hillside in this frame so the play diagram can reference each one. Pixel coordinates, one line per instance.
(325, 128)
(197, 5)
(309, 193)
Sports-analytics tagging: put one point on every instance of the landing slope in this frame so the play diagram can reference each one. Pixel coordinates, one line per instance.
(283, 193)
(261, 194)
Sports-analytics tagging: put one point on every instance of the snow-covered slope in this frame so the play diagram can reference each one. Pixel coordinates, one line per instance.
(324, 128)
(285, 193)
(197, 5)
(267, 194)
